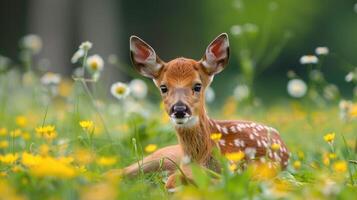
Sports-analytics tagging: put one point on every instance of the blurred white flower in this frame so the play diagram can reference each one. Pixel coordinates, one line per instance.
(32, 42)
(241, 92)
(250, 28)
(351, 76)
(120, 90)
(331, 92)
(297, 88)
(86, 45)
(95, 63)
(309, 59)
(138, 88)
(77, 55)
(322, 51)
(51, 78)
(210, 95)
(236, 30)
(113, 59)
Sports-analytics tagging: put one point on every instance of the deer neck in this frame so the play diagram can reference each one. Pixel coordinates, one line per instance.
(195, 140)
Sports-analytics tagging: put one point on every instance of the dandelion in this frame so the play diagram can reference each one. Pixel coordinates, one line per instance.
(296, 88)
(9, 158)
(77, 55)
(4, 144)
(51, 78)
(120, 90)
(138, 88)
(150, 148)
(330, 137)
(275, 146)
(3, 131)
(309, 59)
(86, 46)
(297, 164)
(106, 161)
(322, 51)
(32, 43)
(216, 137)
(21, 121)
(241, 92)
(47, 132)
(340, 166)
(87, 125)
(235, 156)
(209, 95)
(95, 63)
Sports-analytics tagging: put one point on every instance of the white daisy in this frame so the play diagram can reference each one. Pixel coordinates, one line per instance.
(120, 90)
(309, 59)
(51, 78)
(241, 92)
(322, 51)
(95, 63)
(86, 45)
(210, 95)
(297, 88)
(32, 42)
(138, 88)
(77, 55)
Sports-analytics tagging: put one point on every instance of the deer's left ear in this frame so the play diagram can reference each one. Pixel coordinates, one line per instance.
(216, 55)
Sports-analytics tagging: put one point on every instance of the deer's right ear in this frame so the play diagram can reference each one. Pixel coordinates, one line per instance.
(144, 58)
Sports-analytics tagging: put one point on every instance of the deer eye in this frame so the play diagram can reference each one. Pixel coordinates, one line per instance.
(197, 87)
(163, 88)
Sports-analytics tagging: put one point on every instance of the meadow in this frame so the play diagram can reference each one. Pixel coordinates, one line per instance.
(59, 135)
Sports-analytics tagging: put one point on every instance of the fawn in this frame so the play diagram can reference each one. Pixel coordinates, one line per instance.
(182, 83)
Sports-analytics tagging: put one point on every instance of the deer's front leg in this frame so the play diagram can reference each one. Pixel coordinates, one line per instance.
(152, 162)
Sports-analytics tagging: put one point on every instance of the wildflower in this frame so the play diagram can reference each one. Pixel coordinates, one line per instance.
(120, 90)
(232, 167)
(332, 155)
(21, 121)
(322, 51)
(236, 30)
(241, 92)
(4, 144)
(297, 88)
(83, 156)
(26, 135)
(87, 125)
(32, 42)
(48, 132)
(297, 164)
(138, 88)
(77, 55)
(301, 155)
(330, 137)
(86, 45)
(44, 149)
(264, 171)
(51, 78)
(3, 131)
(340, 166)
(9, 158)
(275, 147)
(210, 95)
(150, 148)
(309, 59)
(326, 159)
(235, 156)
(95, 63)
(106, 161)
(216, 137)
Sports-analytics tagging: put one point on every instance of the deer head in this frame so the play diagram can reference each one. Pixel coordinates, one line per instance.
(182, 82)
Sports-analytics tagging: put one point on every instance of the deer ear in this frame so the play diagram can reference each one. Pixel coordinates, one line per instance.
(216, 55)
(144, 58)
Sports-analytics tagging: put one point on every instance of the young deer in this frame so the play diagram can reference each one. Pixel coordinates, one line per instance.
(182, 83)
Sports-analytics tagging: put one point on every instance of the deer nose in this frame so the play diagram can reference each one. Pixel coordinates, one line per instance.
(180, 110)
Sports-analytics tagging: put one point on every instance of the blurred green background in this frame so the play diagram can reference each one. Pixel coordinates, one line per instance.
(184, 28)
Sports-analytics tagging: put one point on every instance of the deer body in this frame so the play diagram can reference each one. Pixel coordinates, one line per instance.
(182, 83)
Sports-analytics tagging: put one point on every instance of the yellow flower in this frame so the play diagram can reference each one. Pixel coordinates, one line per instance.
(216, 137)
(21, 121)
(275, 147)
(353, 110)
(264, 171)
(4, 144)
(9, 158)
(297, 164)
(106, 161)
(330, 137)
(235, 156)
(26, 136)
(87, 125)
(3, 131)
(301, 155)
(326, 160)
(340, 166)
(233, 167)
(332, 156)
(150, 148)
(83, 156)
(47, 132)
(44, 149)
